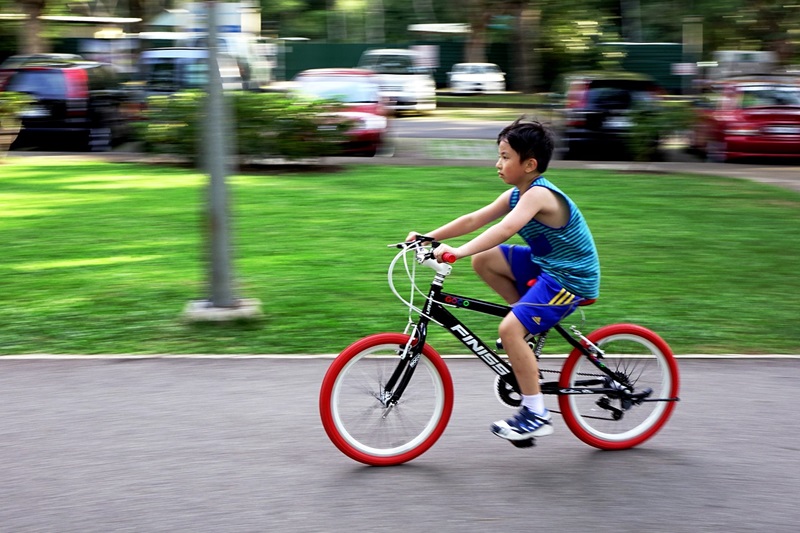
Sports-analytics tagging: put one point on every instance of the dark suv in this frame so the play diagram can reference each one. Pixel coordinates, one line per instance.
(77, 103)
(599, 113)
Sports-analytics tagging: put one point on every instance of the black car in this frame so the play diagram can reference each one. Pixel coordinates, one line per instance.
(599, 113)
(77, 104)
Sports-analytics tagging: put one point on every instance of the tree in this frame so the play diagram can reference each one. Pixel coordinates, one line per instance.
(479, 14)
(751, 25)
(30, 33)
(528, 60)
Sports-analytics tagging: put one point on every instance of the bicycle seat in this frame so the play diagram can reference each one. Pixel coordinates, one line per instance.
(587, 301)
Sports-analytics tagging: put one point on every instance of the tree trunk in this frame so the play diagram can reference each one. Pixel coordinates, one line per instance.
(479, 17)
(526, 58)
(532, 16)
(136, 10)
(30, 40)
(375, 30)
(631, 20)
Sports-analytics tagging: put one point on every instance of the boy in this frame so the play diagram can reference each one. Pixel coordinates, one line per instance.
(543, 281)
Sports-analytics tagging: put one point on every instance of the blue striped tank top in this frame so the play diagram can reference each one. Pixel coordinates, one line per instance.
(568, 253)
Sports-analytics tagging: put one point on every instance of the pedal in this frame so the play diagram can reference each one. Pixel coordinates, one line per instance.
(529, 443)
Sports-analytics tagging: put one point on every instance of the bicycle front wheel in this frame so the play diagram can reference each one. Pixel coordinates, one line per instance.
(615, 422)
(353, 405)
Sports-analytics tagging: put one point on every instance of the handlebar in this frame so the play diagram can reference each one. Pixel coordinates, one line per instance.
(421, 248)
(447, 257)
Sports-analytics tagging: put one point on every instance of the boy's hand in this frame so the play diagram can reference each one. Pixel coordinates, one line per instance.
(442, 249)
(414, 235)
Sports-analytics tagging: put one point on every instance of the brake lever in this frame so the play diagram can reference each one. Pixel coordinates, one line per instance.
(416, 242)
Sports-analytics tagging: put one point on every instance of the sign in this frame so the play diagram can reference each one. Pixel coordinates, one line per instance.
(684, 69)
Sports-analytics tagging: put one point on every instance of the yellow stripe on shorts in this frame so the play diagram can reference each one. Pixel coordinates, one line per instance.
(563, 297)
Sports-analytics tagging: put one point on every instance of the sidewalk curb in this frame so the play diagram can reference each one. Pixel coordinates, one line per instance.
(134, 357)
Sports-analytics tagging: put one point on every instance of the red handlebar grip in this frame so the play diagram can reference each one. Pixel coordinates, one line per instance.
(448, 257)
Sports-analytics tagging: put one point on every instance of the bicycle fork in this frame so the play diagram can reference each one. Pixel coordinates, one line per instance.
(401, 377)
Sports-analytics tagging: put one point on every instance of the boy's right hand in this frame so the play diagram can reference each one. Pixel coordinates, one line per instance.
(440, 251)
(413, 236)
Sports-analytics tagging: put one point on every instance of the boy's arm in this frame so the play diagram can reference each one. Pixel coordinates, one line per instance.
(471, 221)
(529, 205)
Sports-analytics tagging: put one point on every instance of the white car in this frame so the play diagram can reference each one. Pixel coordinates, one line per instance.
(254, 68)
(405, 85)
(477, 77)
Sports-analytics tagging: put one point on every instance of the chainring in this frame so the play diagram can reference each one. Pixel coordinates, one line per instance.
(505, 394)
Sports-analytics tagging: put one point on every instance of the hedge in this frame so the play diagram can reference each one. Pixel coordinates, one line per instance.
(263, 125)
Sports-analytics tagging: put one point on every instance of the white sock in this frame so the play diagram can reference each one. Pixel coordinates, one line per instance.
(535, 403)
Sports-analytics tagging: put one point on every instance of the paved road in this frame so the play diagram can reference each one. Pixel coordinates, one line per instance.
(427, 127)
(431, 141)
(235, 445)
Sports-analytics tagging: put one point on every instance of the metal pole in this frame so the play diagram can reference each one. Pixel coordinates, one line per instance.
(221, 305)
(216, 150)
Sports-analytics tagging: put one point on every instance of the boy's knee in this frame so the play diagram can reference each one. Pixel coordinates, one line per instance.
(477, 260)
(481, 261)
(510, 326)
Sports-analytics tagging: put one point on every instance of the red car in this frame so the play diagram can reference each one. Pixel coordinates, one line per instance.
(358, 92)
(754, 116)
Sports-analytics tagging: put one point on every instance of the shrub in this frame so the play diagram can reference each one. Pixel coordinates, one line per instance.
(653, 124)
(266, 125)
(172, 123)
(11, 105)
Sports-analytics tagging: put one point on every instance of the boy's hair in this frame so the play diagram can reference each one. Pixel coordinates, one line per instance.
(530, 139)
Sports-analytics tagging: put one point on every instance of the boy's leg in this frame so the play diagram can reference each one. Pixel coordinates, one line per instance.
(528, 422)
(539, 309)
(523, 361)
(506, 269)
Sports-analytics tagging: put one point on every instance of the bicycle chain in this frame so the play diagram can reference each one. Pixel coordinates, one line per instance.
(578, 374)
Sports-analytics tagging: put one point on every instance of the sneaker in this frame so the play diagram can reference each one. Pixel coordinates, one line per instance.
(524, 425)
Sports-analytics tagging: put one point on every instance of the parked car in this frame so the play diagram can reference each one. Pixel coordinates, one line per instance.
(254, 68)
(12, 63)
(476, 77)
(405, 83)
(20, 59)
(362, 107)
(751, 116)
(169, 70)
(599, 113)
(77, 103)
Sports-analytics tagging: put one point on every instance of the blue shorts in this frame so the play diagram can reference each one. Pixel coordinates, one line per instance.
(544, 304)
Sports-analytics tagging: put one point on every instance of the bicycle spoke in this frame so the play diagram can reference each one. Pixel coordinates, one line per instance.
(357, 417)
(619, 418)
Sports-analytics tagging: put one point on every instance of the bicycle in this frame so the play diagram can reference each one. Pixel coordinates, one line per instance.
(616, 388)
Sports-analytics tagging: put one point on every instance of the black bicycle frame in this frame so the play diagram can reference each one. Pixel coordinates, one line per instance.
(436, 309)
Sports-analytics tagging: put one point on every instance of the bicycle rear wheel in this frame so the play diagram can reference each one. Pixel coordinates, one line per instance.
(646, 361)
(357, 420)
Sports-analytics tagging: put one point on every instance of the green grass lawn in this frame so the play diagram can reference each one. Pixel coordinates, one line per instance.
(102, 258)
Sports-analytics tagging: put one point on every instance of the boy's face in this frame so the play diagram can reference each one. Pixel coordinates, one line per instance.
(510, 168)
